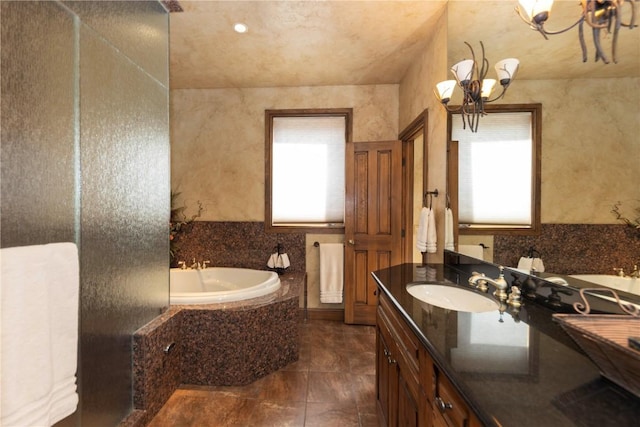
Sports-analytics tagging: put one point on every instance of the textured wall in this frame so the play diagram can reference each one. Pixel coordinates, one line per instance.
(574, 248)
(590, 150)
(85, 158)
(218, 137)
(416, 95)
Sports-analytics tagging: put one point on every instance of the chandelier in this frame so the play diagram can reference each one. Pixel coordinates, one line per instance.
(598, 14)
(476, 89)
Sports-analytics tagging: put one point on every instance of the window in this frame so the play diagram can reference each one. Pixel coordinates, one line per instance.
(499, 171)
(305, 169)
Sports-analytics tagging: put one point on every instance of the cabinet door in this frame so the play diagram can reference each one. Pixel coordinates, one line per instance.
(382, 374)
(407, 405)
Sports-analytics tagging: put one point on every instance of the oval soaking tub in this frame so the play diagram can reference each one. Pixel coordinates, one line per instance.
(219, 284)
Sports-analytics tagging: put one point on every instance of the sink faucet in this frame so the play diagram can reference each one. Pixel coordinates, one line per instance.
(195, 264)
(635, 273)
(479, 280)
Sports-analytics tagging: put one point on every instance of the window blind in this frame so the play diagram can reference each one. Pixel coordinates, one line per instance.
(308, 168)
(495, 170)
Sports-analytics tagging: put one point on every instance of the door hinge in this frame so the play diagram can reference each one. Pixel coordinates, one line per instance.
(402, 233)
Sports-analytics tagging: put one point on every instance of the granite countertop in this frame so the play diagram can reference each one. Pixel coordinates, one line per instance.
(515, 368)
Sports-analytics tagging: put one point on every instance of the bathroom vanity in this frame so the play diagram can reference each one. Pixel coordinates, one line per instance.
(512, 366)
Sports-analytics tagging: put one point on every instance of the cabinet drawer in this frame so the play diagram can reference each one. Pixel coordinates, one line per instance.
(449, 404)
(407, 340)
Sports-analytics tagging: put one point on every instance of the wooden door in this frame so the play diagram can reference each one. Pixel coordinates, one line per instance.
(373, 222)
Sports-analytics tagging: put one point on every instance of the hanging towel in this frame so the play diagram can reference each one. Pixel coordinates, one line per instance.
(421, 237)
(40, 291)
(331, 272)
(448, 230)
(529, 264)
(432, 236)
(474, 251)
(277, 260)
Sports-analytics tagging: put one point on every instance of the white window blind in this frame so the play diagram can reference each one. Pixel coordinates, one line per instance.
(495, 170)
(308, 170)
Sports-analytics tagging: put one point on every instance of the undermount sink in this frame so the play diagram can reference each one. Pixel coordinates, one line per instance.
(452, 297)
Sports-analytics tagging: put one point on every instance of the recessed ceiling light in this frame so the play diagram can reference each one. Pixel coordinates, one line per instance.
(240, 27)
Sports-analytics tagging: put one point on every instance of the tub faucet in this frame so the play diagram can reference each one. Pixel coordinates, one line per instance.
(479, 280)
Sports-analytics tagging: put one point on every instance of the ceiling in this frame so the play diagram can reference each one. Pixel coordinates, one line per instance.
(337, 42)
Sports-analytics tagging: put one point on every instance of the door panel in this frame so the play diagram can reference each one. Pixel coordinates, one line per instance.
(373, 222)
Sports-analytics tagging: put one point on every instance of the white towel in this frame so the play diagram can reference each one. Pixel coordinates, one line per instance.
(278, 261)
(432, 236)
(331, 272)
(421, 237)
(475, 251)
(40, 292)
(449, 244)
(530, 264)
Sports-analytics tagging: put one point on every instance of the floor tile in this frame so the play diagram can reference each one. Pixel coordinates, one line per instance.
(331, 385)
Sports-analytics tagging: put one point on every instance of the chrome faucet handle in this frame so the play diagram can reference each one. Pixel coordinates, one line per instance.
(182, 265)
(204, 264)
(635, 273)
(619, 271)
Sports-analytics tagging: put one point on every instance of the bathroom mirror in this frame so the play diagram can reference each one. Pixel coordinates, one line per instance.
(590, 158)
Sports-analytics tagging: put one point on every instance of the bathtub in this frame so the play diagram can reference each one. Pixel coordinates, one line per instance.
(219, 284)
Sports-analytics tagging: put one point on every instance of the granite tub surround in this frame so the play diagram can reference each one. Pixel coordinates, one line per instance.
(574, 248)
(536, 377)
(215, 344)
(236, 244)
(157, 362)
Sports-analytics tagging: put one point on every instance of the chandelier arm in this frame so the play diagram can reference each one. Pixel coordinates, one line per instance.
(583, 45)
(485, 65)
(475, 63)
(552, 33)
(599, 51)
(589, 14)
(614, 42)
(531, 24)
(504, 90)
(632, 21)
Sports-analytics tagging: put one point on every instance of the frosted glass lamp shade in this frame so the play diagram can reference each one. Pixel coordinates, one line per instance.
(487, 87)
(536, 11)
(444, 90)
(463, 71)
(506, 70)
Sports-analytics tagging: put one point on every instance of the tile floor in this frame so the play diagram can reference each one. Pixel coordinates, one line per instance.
(331, 385)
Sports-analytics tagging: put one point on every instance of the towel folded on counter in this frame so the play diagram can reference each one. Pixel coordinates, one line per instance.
(331, 272)
(39, 317)
(530, 264)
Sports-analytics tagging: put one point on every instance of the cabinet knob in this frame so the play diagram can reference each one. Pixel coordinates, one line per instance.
(442, 404)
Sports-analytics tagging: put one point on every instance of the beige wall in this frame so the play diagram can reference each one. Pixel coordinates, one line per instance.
(416, 95)
(590, 149)
(218, 137)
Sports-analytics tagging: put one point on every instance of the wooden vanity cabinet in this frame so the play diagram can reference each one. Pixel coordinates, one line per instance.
(397, 375)
(411, 390)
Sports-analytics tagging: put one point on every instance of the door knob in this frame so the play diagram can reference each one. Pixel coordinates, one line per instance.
(352, 242)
